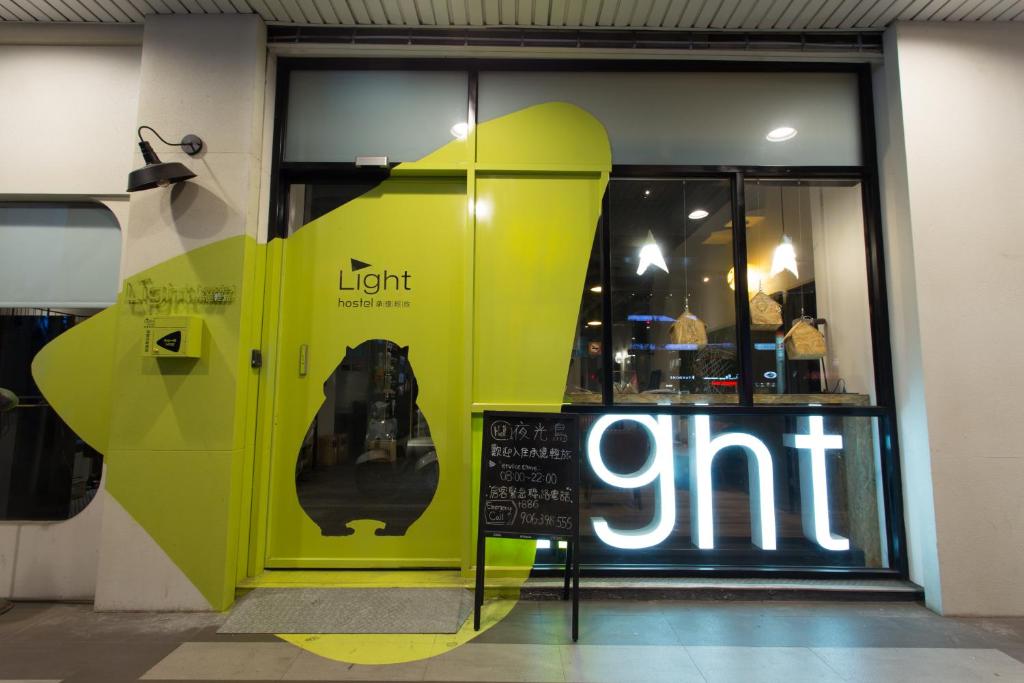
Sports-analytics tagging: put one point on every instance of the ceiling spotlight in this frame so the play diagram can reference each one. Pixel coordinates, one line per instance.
(647, 192)
(781, 134)
(157, 173)
(707, 279)
(594, 323)
(596, 289)
(460, 130)
(698, 214)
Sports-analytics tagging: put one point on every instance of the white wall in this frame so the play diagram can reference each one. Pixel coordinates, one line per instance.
(67, 126)
(72, 99)
(840, 264)
(52, 561)
(951, 142)
(68, 118)
(204, 75)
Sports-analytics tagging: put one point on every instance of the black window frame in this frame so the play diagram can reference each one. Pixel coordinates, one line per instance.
(284, 174)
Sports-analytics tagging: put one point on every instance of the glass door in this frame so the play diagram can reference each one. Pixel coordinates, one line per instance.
(367, 443)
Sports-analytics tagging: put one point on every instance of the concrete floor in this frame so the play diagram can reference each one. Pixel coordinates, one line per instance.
(620, 641)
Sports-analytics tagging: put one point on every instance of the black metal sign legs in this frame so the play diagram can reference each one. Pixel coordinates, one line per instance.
(572, 567)
(478, 594)
(572, 572)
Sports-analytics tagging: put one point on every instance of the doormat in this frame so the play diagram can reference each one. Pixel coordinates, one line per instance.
(350, 610)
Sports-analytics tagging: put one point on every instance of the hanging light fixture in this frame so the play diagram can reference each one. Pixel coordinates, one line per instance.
(158, 173)
(650, 255)
(688, 330)
(784, 257)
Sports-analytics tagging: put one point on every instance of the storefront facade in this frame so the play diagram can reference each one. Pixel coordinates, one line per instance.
(736, 175)
(696, 257)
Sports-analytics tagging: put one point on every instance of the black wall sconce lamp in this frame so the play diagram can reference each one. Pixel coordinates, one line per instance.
(157, 173)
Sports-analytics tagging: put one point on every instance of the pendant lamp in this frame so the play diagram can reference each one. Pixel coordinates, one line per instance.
(650, 255)
(784, 257)
(688, 329)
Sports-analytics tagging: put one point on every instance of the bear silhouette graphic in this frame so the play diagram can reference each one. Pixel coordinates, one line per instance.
(368, 454)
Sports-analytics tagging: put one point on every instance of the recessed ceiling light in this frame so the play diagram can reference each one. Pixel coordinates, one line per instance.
(596, 289)
(781, 134)
(707, 279)
(647, 192)
(460, 130)
(594, 323)
(697, 214)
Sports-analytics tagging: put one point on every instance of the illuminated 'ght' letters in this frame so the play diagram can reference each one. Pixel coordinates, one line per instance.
(761, 477)
(659, 466)
(814, 481)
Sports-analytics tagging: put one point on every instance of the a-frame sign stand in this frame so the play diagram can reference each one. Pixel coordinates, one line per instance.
(529, 489)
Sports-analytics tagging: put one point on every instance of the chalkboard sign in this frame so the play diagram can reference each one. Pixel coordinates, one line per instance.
(529, 477)
(529, 488)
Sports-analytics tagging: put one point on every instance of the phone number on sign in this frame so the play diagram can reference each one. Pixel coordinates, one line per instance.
(544, 520)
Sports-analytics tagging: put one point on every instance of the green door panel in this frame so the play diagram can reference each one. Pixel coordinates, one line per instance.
(415, 230)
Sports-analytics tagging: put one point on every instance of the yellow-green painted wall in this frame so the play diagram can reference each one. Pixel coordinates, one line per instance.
(498, 230)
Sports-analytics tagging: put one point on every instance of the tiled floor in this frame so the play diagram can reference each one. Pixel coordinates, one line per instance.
(619, 641)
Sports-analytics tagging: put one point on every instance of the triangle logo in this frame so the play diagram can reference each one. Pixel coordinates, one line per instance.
(170, 342)
(358, 265)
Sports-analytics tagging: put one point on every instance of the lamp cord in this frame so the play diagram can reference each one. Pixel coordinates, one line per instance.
(686, 265)
(800, 229)
(782, 205)
(153, 131)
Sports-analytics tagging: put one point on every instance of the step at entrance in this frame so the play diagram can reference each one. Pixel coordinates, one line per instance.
(635, 588)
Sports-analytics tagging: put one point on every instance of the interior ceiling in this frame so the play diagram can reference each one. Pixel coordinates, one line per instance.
(686, 15)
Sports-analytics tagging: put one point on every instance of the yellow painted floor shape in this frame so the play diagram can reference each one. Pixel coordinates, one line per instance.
(387, 648)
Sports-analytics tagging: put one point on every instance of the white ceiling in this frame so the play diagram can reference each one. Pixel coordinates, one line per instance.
(738, 15)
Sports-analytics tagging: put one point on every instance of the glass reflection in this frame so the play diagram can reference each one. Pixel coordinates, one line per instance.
(583, 384)
(847, 497)
(807, 282)
(368, 455)
(673, 314)
(46, 471)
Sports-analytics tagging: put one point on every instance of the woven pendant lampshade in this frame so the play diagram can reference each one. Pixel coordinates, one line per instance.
(804, 341)
(765, 313)
(689, 329)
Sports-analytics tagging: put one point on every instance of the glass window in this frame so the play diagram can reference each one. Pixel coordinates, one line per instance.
(404, 115)
(306, 203)
(46, 471)
(59, 264)
(700, 119)
(806, 260)
(735, 507)
(586, 368)
(673, 315)
(63, 255)
(673, 295)
(368, 453)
